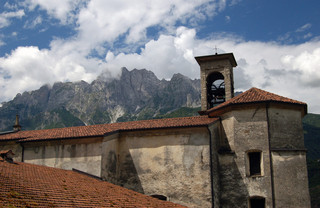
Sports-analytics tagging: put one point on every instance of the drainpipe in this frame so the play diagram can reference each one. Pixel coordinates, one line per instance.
(270, 157)
(211, 168)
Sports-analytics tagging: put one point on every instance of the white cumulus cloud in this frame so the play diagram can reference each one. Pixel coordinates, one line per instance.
(6, 16)
(287, 70)
(28, 68)
(59, 9)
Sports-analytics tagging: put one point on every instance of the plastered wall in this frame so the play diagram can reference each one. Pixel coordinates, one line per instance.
(291, 179)
(286, 130)
(288, 158)
(173, 163)
(81, 154)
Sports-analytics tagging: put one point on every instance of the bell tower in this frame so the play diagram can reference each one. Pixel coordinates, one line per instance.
(216, 74)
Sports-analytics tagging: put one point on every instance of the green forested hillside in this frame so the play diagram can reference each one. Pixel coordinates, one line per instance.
(311, 127)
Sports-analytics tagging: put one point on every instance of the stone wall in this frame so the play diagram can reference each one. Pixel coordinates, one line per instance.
(269, 129)
(245, 130)
(286, 130)
(173, 163)
(288, 158)
(290, 179)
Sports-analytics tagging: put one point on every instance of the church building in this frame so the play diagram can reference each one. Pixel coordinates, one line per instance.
(241, 151)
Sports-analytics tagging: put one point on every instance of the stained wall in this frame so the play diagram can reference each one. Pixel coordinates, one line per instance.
(80, 154)
(173, 163)
(288, 157)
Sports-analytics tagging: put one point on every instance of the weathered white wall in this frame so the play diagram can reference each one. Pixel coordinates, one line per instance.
(286, 130)
(291, 179)
(173, 163)
(81, 154)
(288, 158)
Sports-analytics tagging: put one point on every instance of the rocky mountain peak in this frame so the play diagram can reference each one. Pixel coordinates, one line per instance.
(136, 94)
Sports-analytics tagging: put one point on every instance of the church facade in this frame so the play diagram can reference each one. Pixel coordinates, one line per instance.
(243, 151)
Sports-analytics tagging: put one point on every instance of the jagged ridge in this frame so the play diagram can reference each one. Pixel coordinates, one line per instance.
(136, 95)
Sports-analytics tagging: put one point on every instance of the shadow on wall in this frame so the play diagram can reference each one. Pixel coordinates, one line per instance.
(118, 167)
(175, 166)
(233, 190)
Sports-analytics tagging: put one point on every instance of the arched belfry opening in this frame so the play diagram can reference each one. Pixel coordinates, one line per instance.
(216, 74)
(216, 93)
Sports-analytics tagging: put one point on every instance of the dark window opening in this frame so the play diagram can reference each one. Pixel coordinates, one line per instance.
(215, 89)
(160, 197)
(257, 202)
(255, 163)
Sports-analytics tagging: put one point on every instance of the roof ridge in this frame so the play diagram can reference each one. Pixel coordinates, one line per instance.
(275, 95)
(105, 124)
(255, 95)
(104, 129)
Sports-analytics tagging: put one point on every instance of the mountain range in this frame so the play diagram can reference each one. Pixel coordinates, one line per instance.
(135, 95)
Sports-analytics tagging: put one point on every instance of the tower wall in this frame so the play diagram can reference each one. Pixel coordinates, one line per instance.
(244, 130)
(276, 132)
(288, 157)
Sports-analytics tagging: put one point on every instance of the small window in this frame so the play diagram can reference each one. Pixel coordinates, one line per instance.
(160, 197)
(257, 202)
(255, 161)
(254, 165)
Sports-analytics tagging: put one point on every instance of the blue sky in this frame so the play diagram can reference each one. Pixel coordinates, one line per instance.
(276, 43)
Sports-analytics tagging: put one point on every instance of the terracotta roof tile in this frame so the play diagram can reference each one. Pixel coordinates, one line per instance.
(6, 152)
(28, 185)
(103, 129)
(254, 95)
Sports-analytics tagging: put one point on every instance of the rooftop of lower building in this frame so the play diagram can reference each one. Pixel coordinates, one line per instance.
(29, 185)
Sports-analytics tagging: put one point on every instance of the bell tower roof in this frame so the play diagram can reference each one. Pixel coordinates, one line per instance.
(217, 57)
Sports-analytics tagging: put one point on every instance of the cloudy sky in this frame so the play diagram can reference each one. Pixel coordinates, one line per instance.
(276, 43)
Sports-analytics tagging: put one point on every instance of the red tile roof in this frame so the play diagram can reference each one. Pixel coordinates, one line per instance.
(28, 185)
(6, 152)
(103, 129)
(254, 95)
